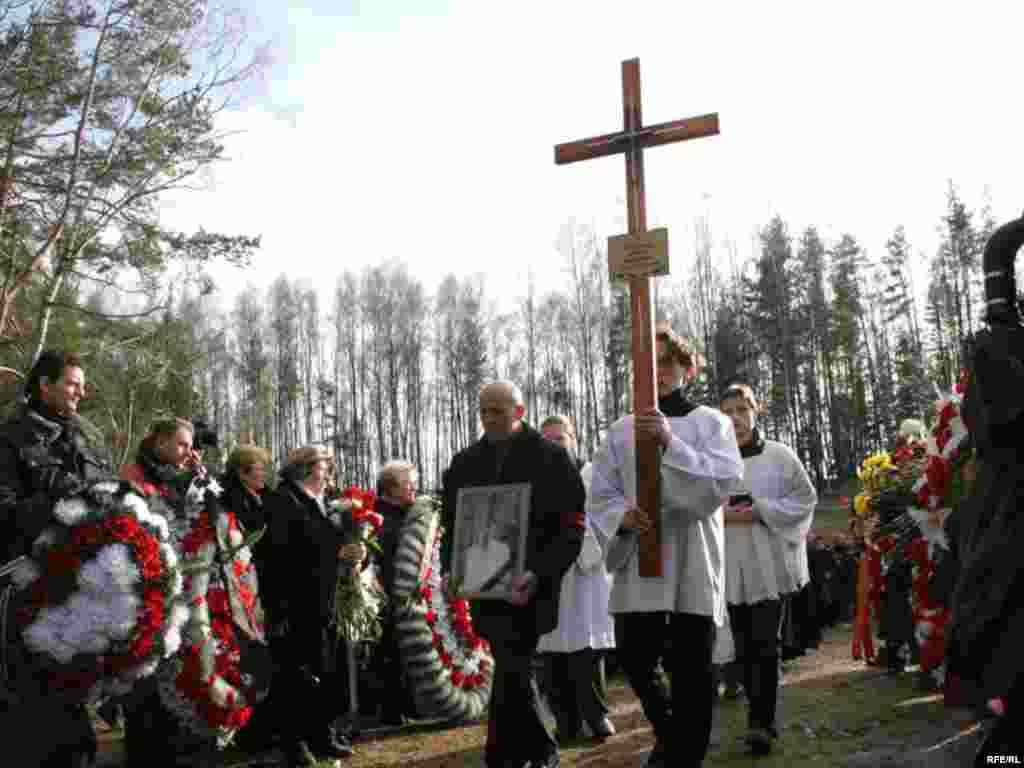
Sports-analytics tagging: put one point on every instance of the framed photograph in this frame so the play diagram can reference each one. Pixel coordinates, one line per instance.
(489, 544)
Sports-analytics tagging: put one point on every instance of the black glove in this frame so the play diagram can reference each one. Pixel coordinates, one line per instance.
(58, 483)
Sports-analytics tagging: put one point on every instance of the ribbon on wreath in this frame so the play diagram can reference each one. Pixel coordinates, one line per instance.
(869, 576)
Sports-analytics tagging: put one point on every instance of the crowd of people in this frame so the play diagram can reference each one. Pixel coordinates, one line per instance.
(734, 517)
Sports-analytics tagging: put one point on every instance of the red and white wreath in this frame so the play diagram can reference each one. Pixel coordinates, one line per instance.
(464, 655)
(203, 684)
(98, 602)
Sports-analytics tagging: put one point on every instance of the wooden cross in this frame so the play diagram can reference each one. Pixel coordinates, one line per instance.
(631, 141)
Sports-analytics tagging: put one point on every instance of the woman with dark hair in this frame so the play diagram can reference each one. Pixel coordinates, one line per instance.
(766, 527)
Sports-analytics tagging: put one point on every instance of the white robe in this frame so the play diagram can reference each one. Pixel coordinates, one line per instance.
(583, 617)
(699, 470)
(768, 559)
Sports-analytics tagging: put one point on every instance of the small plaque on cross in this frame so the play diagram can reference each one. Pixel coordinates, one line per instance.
(638, 255)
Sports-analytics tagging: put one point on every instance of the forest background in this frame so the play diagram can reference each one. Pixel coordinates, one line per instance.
(106, 108)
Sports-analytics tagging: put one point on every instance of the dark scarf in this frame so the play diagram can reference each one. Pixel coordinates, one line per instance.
(248, 507)
(755, 447)
(164, 476)
(675, 404)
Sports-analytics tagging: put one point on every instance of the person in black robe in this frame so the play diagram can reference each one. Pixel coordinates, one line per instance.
(511, 451)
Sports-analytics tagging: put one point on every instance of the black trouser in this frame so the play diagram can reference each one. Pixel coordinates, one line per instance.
(313, 683)
(684, 644)
(576, 688)
(517, 731)
(757, 634)
(150, 738)
(47, 734)
(389, 675)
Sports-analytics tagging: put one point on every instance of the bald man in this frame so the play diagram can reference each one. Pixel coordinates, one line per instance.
(511, 451)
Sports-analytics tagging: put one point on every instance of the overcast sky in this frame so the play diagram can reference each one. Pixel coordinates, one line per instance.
(424, 131)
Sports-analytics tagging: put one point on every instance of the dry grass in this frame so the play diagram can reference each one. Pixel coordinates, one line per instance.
(832, 708)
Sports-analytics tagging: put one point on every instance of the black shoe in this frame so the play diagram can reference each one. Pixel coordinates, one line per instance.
(733, 691)
(333, 746)
(759, 740)
(551, 761)
(658, 758)
(300, 756)
(603, 729)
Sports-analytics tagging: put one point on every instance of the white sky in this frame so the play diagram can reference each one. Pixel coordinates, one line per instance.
(429, 138)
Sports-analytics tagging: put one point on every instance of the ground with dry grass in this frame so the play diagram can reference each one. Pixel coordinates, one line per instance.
(835, 712)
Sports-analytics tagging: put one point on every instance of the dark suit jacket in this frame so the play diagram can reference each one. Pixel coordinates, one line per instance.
(557, 499)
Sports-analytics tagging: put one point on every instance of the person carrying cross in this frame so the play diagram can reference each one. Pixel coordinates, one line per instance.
(669, 620)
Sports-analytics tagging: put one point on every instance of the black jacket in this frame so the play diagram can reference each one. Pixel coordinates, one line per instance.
(301, 566)
(394, 518)
(557, 499)
(40, 461)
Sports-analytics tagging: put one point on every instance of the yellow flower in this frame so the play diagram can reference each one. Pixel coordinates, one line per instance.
(862, 504)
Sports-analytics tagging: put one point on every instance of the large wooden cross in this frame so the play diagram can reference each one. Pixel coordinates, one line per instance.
(631, 141)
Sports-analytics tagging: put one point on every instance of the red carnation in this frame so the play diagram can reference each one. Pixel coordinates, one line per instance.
(122, 527)
(218, 600)
(142, 646)
(431, 617)
(456, 677)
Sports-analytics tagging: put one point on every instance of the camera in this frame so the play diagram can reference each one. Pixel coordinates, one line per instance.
(204, 436)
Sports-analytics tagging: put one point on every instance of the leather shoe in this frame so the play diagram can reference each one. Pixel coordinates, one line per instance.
(658, 758)
(603, 729)
(759, 740)
(551, 761)
(334, 746)
(300, 756)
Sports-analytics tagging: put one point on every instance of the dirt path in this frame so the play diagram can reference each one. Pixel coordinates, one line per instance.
(835, 712)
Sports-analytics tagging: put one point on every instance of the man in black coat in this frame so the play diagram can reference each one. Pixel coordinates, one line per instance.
(304, 553)
(513, 452)
(44, 457)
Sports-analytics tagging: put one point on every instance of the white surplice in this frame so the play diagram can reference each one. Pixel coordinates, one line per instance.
(699, 470)
(768, 559)
(583, 618)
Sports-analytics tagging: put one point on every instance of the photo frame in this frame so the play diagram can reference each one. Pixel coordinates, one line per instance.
(489, 540)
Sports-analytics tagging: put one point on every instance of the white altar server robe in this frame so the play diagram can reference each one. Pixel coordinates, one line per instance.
(699, 469)
(583, 617)
(768, 559)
